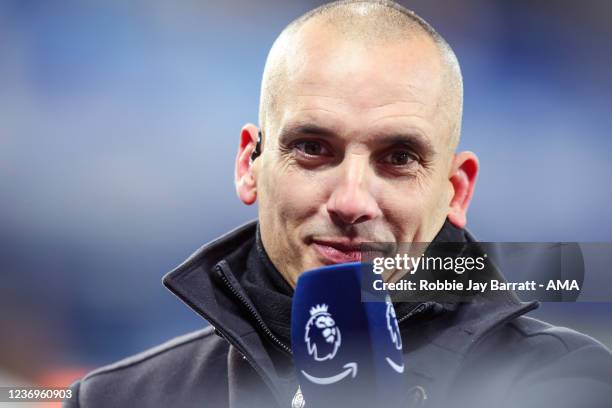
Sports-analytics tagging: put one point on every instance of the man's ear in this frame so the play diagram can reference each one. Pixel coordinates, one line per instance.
(244, 178)
(463, 179)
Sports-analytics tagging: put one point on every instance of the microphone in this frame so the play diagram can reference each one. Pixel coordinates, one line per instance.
(347, 352)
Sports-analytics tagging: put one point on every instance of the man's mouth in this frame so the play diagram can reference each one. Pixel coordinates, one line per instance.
(331, 252)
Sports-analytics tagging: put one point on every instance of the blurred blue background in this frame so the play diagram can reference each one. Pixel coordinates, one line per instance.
(119, 121)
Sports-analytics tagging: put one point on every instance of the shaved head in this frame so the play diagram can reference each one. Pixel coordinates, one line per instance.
(363, 24)
(360, 114)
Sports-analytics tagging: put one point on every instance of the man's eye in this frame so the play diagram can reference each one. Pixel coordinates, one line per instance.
(312, 148)
(400, 158)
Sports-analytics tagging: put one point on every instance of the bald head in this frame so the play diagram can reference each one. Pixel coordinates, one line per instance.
(361, 25)
(360, 113)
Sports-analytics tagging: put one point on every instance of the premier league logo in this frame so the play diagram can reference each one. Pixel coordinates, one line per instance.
(394, 334)
(392, 325)
(322, 335)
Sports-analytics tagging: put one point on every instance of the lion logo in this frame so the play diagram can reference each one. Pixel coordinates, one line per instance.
(392, 325)
(322, 335)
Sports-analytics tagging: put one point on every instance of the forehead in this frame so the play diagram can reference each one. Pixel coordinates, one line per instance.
(353, 83)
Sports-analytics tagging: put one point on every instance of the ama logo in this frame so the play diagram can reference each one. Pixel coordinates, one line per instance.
(322, 335)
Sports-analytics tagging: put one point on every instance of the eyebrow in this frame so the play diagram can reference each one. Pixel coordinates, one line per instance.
(410, 138)
(300, 129)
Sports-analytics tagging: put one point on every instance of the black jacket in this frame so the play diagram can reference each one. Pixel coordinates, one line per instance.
(478, 354)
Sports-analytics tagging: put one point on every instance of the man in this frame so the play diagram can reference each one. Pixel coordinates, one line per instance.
(360, 117)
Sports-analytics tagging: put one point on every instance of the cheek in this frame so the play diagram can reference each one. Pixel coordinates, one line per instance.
(412, 209)
(291, 195)
(404, 214)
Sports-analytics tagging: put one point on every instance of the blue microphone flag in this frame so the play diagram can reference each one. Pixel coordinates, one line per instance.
(347, 352)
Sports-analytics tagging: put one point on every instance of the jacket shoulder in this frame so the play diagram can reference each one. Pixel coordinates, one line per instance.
(533, 341)
(560, 367)
(532, 363)
(538, 332)
(162, 354)
(525, 348)
(160, 376)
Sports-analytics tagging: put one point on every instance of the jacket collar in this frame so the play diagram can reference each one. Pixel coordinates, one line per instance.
(198, 282)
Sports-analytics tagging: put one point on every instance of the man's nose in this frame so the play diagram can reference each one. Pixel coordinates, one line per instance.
(351, 201)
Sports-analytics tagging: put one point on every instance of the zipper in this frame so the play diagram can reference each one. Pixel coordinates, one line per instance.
(260, 323)
(417, 310)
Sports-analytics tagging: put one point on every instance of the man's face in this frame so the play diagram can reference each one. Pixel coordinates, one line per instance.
(357, 150)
